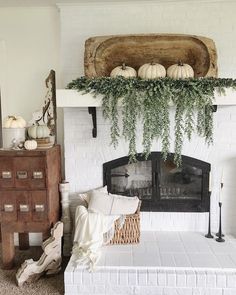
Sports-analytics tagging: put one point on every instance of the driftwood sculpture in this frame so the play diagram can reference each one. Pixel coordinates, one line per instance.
(47, 114)
(50, 261)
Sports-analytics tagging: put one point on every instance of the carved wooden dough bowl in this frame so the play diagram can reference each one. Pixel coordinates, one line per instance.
(104, 53)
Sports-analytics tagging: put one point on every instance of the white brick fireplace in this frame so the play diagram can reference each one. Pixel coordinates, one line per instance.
(85, 155)
(172, 257)
(192, 264)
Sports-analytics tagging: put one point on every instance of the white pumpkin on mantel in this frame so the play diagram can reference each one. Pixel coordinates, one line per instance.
(30, 144)
(38, 131)
(14, 122)
(180, 71)
(124, 71)
(152, 71)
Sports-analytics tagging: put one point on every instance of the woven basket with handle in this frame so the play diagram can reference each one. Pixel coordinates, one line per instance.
(130, 232)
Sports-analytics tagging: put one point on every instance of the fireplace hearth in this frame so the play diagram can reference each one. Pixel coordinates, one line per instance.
(161, 185)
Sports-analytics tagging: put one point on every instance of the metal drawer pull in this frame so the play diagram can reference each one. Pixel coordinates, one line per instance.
(21, 174)
(8, 208)
(24, 208)
(6, 174)
(37, 174)
(39, 208)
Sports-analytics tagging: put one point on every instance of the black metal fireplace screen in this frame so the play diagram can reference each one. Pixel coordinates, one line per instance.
(161, 185)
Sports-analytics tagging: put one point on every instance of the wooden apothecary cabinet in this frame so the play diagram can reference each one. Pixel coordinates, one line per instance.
(29, 195)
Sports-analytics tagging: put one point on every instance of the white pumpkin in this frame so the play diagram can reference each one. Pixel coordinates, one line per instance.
(180, 71)
(124, 71)
(152, 71)
(38, 131)
(30, 144)
(14, 122)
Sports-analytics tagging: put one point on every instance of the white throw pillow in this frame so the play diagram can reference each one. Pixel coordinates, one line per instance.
(100, 202)
(110, 204)
(84, 198)
(124, 205)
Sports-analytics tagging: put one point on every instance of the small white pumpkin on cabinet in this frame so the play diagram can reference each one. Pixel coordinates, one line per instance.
(30, 144)
(38, 131)
(14, 122)
(180, 71)
(152, 71)
(124, 71)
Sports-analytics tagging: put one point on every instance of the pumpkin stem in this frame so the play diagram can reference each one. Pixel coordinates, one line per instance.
(12, 117)
(180, 63)
(123, 67)
(152, 63)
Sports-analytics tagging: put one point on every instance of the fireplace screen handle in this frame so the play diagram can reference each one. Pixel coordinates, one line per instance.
(126, 175)
(155, 178)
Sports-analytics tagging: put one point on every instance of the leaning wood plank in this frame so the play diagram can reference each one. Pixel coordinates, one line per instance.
(104, 53)
(49, 262)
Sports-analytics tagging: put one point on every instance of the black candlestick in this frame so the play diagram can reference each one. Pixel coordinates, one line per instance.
(209, 235)
(218, 234)
(219, 239)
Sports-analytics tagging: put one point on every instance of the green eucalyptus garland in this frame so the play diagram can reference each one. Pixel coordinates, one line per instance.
(150, 100)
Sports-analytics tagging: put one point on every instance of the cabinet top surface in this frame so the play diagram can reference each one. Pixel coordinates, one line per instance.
(27, 153)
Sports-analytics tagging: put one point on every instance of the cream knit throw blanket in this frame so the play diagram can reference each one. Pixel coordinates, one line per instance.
(90, 229)
(94, 225)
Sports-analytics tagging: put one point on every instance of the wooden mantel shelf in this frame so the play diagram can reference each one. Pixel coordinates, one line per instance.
(67, 98)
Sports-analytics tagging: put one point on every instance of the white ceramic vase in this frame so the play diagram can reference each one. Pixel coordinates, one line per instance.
(12, 137)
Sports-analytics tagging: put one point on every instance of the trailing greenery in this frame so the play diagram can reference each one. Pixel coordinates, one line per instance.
(151, 100)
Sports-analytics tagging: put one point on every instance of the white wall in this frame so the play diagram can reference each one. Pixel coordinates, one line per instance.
(31, 37)
(29, 48)
(214, 20)
(2, 67)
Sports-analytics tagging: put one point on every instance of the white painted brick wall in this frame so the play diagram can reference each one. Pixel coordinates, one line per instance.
(85, 155)
(151, 281)
(79, 22)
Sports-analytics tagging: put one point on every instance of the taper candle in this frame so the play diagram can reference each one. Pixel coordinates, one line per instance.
(222, 175)
(221, 185)
(221, 192)
(210, 181)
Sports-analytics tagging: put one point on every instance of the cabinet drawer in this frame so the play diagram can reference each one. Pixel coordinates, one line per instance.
(6, 172)
(23, 205)
(29, 172)
(38, 177)
(39, 205)
(8, 206)
(22, 172)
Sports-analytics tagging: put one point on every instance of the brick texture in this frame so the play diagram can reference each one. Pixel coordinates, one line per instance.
(153, 281)
(84, 154)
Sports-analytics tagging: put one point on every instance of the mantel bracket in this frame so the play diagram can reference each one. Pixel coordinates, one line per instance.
(214, 108)
(93, 112)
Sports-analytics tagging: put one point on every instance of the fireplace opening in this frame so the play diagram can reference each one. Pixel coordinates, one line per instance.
(161, 185)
